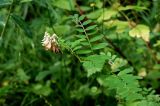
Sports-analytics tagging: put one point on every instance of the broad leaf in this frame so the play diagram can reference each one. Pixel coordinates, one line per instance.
(121, 26)
(62, 29)
(130, 7)
(95, 14)
(108, 14)
(65, 4)
(140, 31)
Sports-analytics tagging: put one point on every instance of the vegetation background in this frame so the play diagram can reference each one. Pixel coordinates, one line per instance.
(109, 53)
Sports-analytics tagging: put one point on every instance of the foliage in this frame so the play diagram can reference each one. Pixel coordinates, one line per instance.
(103, 53)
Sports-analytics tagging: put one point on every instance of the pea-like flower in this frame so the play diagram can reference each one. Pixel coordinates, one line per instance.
(50, 42)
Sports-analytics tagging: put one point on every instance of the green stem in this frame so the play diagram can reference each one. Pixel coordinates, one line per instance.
(49, 7)
(75, 55)
(5, 25)
(153, 55)
(86, 35)
(72, 52)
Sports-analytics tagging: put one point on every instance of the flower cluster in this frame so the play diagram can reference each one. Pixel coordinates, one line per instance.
(50, 42)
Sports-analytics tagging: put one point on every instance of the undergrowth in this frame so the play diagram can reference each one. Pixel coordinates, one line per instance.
(93, 53)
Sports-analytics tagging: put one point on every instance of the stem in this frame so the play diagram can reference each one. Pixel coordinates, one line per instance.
(72, 52)
(24, 99)
(86, 35)
(75, 55)
(152, 53)
(125, 16)
(25, 12)
(5, 25)
(103, 18)
(45, 100)
(49, 16)
(81, 12)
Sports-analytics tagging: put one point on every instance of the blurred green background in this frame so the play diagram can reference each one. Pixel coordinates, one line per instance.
(32, 76)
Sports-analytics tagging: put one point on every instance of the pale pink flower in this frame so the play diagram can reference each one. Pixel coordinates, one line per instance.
(50, 42)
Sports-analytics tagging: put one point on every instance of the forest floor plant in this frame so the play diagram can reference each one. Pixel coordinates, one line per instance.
(79, 53)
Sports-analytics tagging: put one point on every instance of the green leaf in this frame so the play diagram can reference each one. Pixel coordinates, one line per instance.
(40, 89)
(125, 71)
(83, 51)
(99, 46)
(82, 91)
(96, 38)
(140, 31)
(62, 29)
(98, 4)
(81, 36)
(92, 32)
(91, 27)
(95, 91)
(118, 62)
(77, 42)
(22, 75)
(79, 26)
(22, 24)
(95, 14)
(5, 2)
(4, 90)
(154, 75)
(65, 4)
(109, 81)
(94, 63)
(108, 14)
(157, 44)
(76, 16)
(87, 22)
(25, 1)
(85, 43)
(85, 8)
(120, 26)
(81, 18)
(134, 96)
(42, 75)
(79, 30)
(2, 23)
(77, 48)
(131, 7)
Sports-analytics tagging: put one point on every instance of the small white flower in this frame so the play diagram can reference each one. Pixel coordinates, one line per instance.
(50, 42)
(46, 41)
(54, 38)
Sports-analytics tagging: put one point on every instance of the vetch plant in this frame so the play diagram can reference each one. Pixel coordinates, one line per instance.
(109, 53)
(89, 46)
